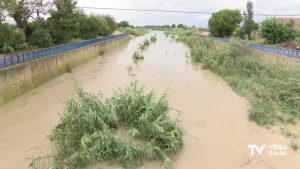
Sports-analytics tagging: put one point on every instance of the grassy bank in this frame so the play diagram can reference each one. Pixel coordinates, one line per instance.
(271, 84)
(14, 90)
(134, 31)
(87, 133)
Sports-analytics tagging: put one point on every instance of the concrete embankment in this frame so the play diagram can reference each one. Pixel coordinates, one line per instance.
(18, 79)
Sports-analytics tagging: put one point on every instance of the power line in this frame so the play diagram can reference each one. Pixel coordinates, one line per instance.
(178, 11)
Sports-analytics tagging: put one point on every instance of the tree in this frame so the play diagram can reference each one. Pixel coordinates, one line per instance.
(165, 26)
(10, 38)
(41, 38)
(38, 34)
(224, 22)
(93, 26)
(291, 30)
(20, 11)
(276, 32)
(63, 23)
(248, 20)
(2, 12)
(103, 27)
(173, 26)
(123, 24)
(111, 23)
(180, 26)
(88, 29)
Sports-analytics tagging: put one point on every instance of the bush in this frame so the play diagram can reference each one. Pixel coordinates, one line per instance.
(137, 56)
(40, 38)
(88, 28)
(11, 38)
(86, 133)
(153, 39)
(111, 23)
(103, 26)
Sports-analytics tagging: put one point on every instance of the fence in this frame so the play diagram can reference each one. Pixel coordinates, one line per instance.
(10, 60)
(264, 48)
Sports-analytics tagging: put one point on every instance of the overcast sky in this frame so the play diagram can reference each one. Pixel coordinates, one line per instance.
(155, 18)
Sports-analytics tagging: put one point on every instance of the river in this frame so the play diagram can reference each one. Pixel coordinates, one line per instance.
(214, 117)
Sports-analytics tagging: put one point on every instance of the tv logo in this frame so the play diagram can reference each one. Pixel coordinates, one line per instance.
(255, 148)
(271, 150)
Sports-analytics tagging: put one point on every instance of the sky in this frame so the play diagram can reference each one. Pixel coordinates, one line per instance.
(200, 20)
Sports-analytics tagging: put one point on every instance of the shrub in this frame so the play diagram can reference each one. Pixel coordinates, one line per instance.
(88, 27)
(137, 56)
(86, 132)
(153, 39)
(11, 38)
(145, 44)
(40, 38)
(111, 23)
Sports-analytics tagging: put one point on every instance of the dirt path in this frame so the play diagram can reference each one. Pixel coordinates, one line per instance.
(215, 118)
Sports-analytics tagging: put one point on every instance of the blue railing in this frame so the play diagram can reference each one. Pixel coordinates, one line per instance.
(10, 60)
(264, 48)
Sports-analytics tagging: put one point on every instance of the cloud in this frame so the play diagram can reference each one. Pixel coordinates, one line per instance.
(155, 18)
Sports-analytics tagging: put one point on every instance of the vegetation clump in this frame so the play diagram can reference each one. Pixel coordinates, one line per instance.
(153, 39)
(87, 131)
(145, 44)
(137, 56)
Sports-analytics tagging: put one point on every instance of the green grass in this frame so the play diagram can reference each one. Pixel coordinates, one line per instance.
(271, 87)
(86, 133)
(134, 31)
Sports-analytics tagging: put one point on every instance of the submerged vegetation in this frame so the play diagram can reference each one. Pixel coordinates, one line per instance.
(137, 56)
(145, 44)
(87, 131)
(153, 39)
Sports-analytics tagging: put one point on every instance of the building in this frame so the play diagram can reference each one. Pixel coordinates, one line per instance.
(287, 20)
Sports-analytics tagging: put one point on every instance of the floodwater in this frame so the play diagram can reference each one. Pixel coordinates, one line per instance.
(214, 118)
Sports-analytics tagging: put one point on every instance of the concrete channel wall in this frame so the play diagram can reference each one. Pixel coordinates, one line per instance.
(17, 80)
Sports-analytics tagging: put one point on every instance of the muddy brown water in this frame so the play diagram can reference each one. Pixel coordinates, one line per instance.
(214, 118)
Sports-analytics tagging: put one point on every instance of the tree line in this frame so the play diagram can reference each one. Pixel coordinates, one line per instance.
(44, 23)
(230, 22)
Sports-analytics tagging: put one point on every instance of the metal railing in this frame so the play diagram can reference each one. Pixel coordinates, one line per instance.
(264, 48)
(19, 58)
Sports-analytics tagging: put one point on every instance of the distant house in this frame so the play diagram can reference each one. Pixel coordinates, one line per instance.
(287, 20)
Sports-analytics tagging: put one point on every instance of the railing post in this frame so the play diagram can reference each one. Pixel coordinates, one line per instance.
(4, 61)
(17, 58)
(11, 60)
